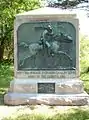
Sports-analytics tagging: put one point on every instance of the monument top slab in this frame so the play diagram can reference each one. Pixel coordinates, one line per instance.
(48, 11)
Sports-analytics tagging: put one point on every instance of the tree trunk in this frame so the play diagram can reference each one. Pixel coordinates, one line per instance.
(1, 52)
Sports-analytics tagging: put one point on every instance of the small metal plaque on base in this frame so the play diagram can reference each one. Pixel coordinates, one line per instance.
(46, 88)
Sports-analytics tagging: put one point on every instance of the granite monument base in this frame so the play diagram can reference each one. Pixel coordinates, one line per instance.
(49, 92)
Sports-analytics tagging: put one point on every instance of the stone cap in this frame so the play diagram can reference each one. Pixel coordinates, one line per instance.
(48, 11)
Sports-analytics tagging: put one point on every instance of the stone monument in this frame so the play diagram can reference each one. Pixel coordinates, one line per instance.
(46, 59)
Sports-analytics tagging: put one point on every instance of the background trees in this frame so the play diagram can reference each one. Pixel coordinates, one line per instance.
(8, 10)
(64, 3)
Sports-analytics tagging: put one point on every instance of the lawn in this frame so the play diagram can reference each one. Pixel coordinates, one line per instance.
(6, 75)
(43, 112)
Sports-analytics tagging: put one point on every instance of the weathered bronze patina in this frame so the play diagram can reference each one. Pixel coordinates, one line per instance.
(53, 46)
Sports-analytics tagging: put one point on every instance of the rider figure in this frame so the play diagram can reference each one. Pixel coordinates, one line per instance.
(46, 38)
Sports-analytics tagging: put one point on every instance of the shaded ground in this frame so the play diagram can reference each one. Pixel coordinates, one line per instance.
(7, 111)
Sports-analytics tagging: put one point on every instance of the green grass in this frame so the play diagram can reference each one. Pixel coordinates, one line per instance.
(6, 75)
(70, 114)
(85, 78)
(84, 62)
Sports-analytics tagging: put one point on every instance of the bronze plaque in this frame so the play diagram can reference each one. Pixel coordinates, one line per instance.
(46, 46)
(46, 88)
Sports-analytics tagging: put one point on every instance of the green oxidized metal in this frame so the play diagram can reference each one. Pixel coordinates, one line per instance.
(46, 46)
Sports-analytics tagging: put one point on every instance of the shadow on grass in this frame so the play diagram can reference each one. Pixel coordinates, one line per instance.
(77, 114)
(71, 114)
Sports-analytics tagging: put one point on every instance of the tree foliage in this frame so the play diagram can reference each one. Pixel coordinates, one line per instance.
(84, 55)
(64, 3)
(8, 10)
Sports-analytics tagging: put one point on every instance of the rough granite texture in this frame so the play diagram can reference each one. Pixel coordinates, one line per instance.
(67, 92)
(61, 86)
(23, 99)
